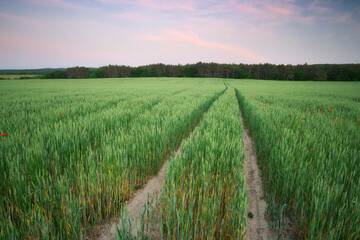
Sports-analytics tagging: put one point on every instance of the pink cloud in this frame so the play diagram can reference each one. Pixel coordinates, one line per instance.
(280, 11)
(306, 20)
(42, 48)
(133, 16)
(209, 26)
(175, 35)
(314, 6)
(23, 20)
(342, 17)
(248, 8)
(60, 3)
(149, 37)
(166, 4)
(262, 10)
(29, 45)
(12, 17)
(329, 14)
(156, 4)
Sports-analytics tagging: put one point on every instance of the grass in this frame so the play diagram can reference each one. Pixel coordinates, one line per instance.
(85, 151)
(76, 150)
(307, 136)
(204, 195)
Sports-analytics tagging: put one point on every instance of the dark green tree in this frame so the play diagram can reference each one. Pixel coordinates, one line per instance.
(78, 72)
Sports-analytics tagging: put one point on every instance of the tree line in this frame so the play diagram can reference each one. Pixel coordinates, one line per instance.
(303, 72)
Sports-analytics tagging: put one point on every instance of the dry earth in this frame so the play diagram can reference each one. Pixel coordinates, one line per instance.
(135, 206)
(257, 226)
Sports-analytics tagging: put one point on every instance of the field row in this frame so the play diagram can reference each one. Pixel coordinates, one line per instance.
(68, 172)
(204, 195)
(307, 141)
(73, 151)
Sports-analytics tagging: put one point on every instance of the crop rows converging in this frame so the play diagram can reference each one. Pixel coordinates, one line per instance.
(307, 139)
(204, 195)
(72, 152)
(67, 163)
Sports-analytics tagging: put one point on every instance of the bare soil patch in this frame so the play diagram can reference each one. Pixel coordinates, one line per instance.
(257, 226)
(135, 206)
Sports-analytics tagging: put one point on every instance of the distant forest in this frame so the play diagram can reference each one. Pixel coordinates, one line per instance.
(304, 72)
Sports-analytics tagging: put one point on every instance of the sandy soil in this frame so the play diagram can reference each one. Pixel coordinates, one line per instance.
(256, 226)
(135, 206)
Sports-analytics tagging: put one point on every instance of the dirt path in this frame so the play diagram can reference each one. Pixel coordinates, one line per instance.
(256, 226)
(135, 206)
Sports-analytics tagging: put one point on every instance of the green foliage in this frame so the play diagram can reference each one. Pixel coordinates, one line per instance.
(75, 152)
(307, 137)
(78, 72)
(299, 76)
(204, 195)
(55, 75)
(115, 71)
(305, 72)
(140, 72)
(97, 74)
(239, 73)
(189, 71)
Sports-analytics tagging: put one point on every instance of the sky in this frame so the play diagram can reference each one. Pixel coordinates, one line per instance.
(94, 33)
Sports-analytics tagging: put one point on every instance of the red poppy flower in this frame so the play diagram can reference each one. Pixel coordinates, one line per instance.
(343, 106)
(320, 109)
(165, 107)
(335, 120)
(330, 107)
(313, 111)
(358, 120)
(265, 105)
(299, 135)
(70, 110)
(289, 115)
(25, 130)
(328, 110)
(322, 114)
(302, 120)
(4, 134)
(311, 149)
(62, 114)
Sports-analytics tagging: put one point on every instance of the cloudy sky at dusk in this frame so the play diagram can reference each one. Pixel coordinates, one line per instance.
(93, 33)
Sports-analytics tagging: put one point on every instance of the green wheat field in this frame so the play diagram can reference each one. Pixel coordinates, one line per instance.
(73, 151)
